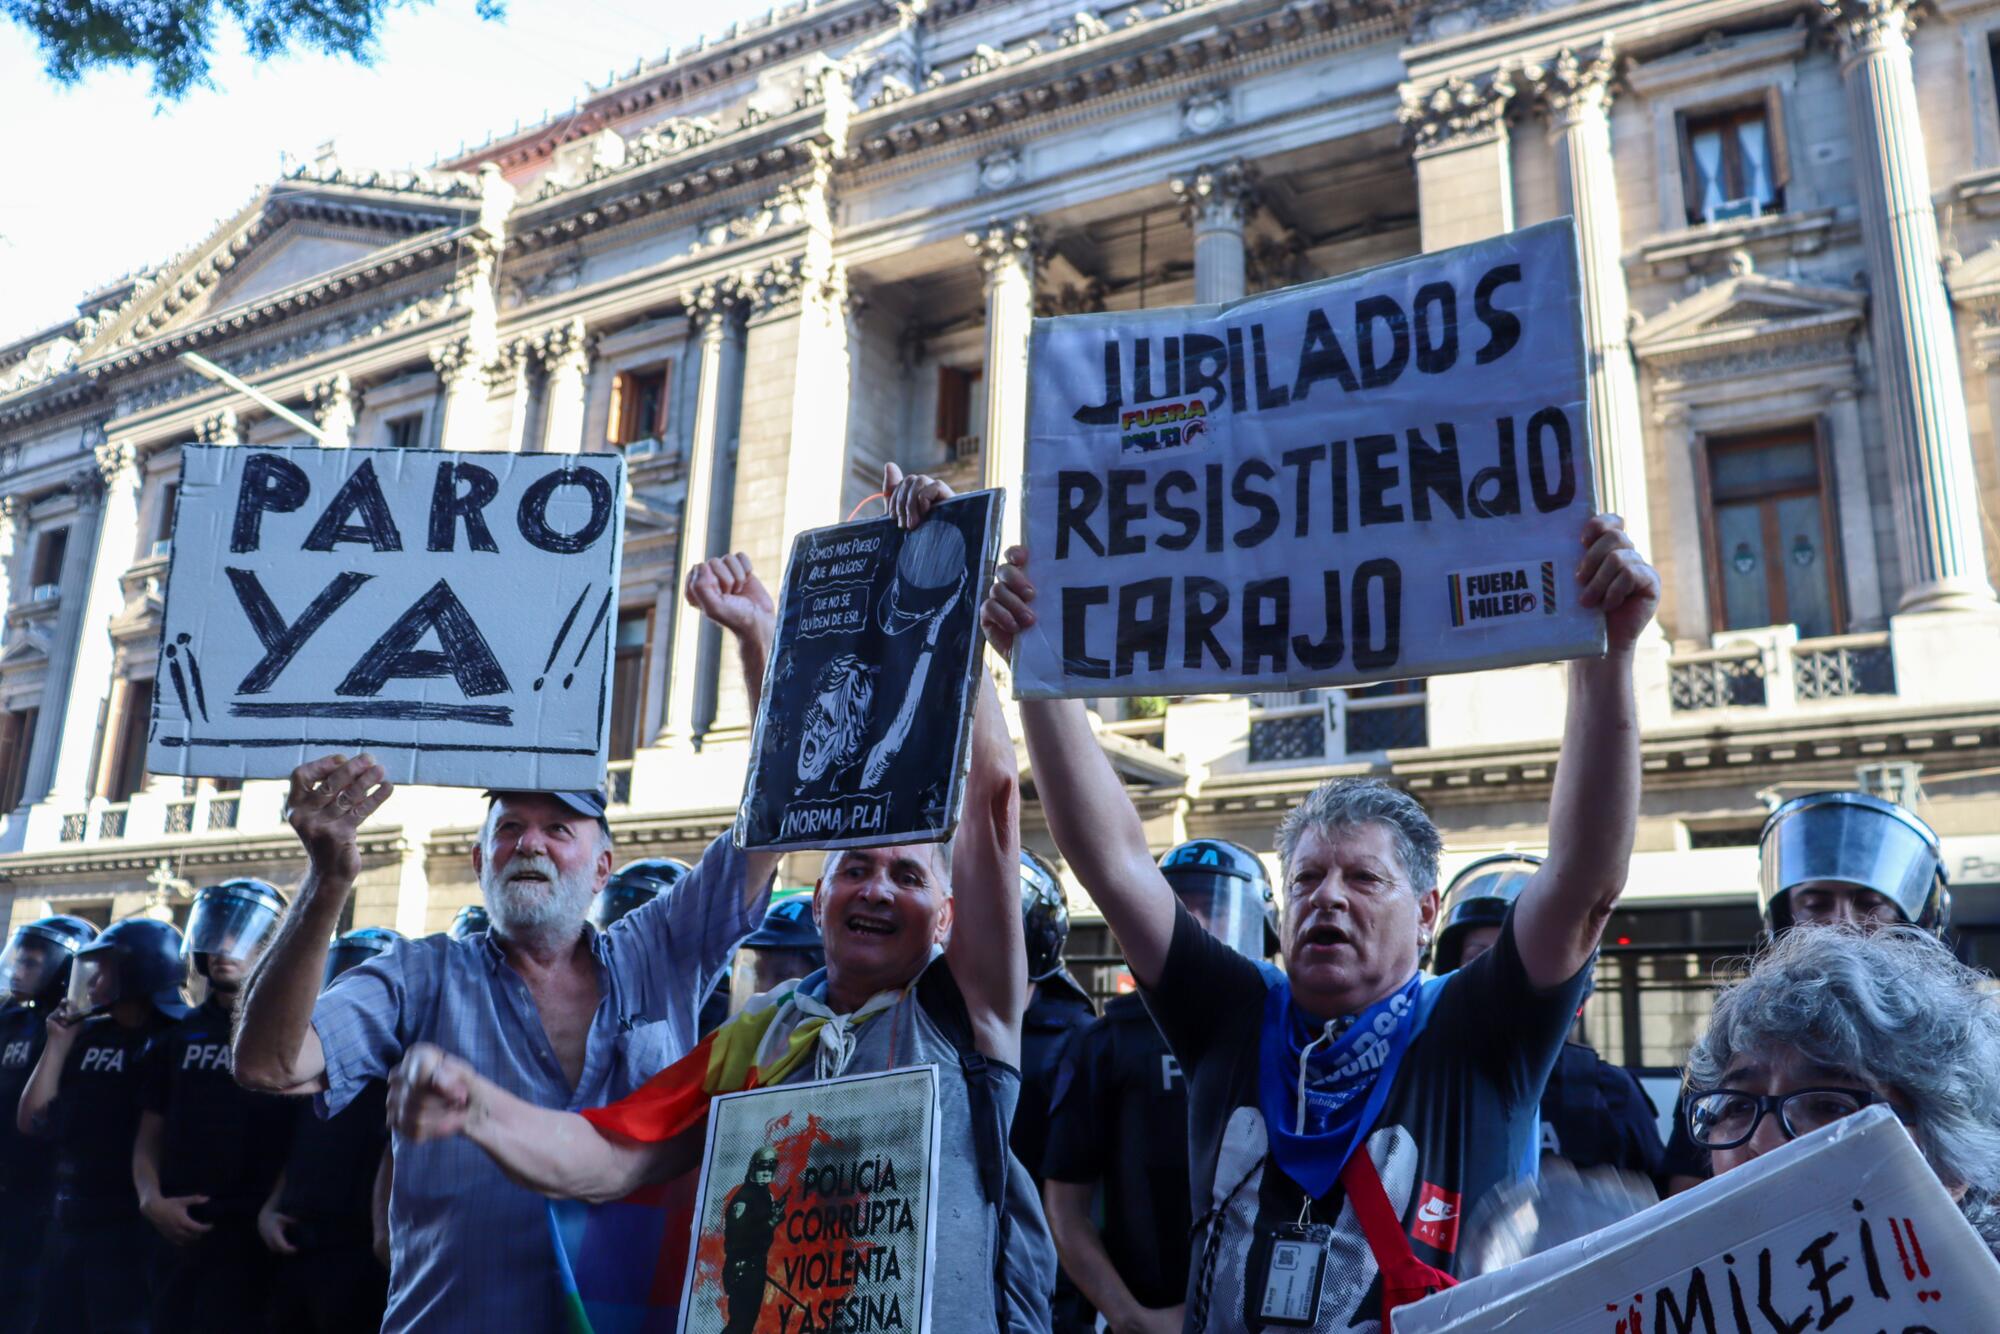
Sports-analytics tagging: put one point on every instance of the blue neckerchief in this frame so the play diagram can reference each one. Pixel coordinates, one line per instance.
(1347, 1083)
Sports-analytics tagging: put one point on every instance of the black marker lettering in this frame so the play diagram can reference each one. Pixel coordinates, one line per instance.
(1076, 605)
(1377, 371)
(281, 642)
(360, 496)
(1327, 653)
(1435, 353)
(1106, 413)
(270, 482)
(1204, 602)
(1189, 519)
(467, 658)
(1123, 510)
(450, 506)
(1434, 472)
(1144, 635)
(1266, 507)
(1321, 358)
(1266, 632)
(1077, 496)
(1549, 498)
(1385, 573)
(1503, 327)
(533, 517)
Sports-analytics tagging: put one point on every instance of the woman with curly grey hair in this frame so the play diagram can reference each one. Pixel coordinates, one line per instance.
(1833, 1020)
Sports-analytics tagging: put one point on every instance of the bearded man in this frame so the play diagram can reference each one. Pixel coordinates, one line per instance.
(541, 1003)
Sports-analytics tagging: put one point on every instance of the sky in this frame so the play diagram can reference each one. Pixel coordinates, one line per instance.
(101, 179)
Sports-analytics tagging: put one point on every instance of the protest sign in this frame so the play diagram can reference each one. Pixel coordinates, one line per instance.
(1844, 1230)
(868, 697)
(450, 613)
(817, 1208)
(1377, 476)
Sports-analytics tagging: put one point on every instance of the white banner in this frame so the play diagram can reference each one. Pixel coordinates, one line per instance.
(1844, 1230)
(451, 613)
(1378, 476)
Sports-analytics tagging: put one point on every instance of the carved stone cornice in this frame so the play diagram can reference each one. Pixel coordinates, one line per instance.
(1862, 24)
(113, 460)
(219, 428)
(1218, 194)
(1457, 113)
(1573, 84)
(777, 287)
(1005, 243)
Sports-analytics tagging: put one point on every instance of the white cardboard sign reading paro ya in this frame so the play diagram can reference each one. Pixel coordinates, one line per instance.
(1844, 1230)
(451, 613)
(1376, 476)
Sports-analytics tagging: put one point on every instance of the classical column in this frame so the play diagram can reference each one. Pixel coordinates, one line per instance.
(1575, 88)
(564, 352)
(1459, 142)
(1910, 327)
(99, 552)
(1006, 251)
(334, 402)
(219, 428)
(1217, 201)
(1856, 516)
(10, 533)
(716, 310)
(462, 378)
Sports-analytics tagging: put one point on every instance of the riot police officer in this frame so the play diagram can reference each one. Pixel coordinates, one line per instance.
(34, 975)
(208, 1150)
(1835, 858)
(1058, 1009)
(785, 947)
(1119, 1120)
(1594, 1113)
(320, 1217)
(472, 917)
(124, 993)
(638, 883)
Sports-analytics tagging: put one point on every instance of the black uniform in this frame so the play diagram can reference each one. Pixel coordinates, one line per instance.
(1060, 1009)
(1595, 1114)
(1120, 1118)
(26, 1173)
(227, 1143)
(93, 1121)
(334, 1284)
(747, 1232)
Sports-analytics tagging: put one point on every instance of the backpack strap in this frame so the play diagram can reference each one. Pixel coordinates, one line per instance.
(1405, 1278)
(939, 995)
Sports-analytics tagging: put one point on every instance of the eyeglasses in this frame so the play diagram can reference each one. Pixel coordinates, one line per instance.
(1725, 1118)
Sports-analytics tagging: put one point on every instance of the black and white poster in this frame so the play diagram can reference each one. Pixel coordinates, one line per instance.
(868, 696)
(452, 613)
(1376, 476)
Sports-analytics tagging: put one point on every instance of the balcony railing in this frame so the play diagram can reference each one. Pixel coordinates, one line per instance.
(222, 811)
(74, 826)
(618, 783)
(1288, 737)
(1716, 679)
(1298, 725)
(111, 822)
(180, 817)
(1843, 667)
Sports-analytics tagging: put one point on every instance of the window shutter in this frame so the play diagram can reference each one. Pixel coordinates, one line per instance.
(614, 432)
(1775, 136)
(952, 408)
(659, 428)
(1690, 173)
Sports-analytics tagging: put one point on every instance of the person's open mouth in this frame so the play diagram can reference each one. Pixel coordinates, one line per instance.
(871, 926)
(1324, 936)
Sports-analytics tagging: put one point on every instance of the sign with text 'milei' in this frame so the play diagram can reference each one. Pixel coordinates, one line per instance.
(1377, 476)
(449, 612)
(1844, 1230)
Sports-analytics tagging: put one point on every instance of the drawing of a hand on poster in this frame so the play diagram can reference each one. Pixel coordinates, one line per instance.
(862, 735)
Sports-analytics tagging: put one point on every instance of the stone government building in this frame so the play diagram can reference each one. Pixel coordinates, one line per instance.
(769, 263)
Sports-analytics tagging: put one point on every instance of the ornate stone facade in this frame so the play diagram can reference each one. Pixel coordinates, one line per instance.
(768, 265)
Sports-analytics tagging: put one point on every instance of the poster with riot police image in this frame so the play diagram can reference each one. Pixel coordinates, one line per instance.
(868, 696)
(817, 1209)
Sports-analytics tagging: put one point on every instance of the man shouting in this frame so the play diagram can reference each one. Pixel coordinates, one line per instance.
(1344, 1116)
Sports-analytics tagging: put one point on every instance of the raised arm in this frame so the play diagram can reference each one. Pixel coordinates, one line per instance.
(434, 1095)
(276, 1048)
(31, 1114)
(1095, 825)
(988, 958)
(727, 591)
(1594, 808)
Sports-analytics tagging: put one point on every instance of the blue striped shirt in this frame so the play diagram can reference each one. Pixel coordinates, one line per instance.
(469, 1248)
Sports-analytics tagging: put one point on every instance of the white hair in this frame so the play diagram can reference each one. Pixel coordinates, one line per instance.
(1891, 1007)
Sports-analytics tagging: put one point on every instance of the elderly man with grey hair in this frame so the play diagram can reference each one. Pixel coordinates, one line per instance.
(1834, 1020)
(543, 1004)
(925, 964)
(1345, 1115)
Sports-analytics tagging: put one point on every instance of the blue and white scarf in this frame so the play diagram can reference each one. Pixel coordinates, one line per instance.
(1321, 1089)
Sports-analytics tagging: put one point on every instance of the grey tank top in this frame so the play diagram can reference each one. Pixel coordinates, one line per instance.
(961, 1290)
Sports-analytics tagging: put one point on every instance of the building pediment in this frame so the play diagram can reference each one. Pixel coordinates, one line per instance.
(1744, 311)
(317, 220)
(27, 649)
(1975, 282)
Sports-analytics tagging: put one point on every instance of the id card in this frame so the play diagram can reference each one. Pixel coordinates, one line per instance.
(1294, 1267)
